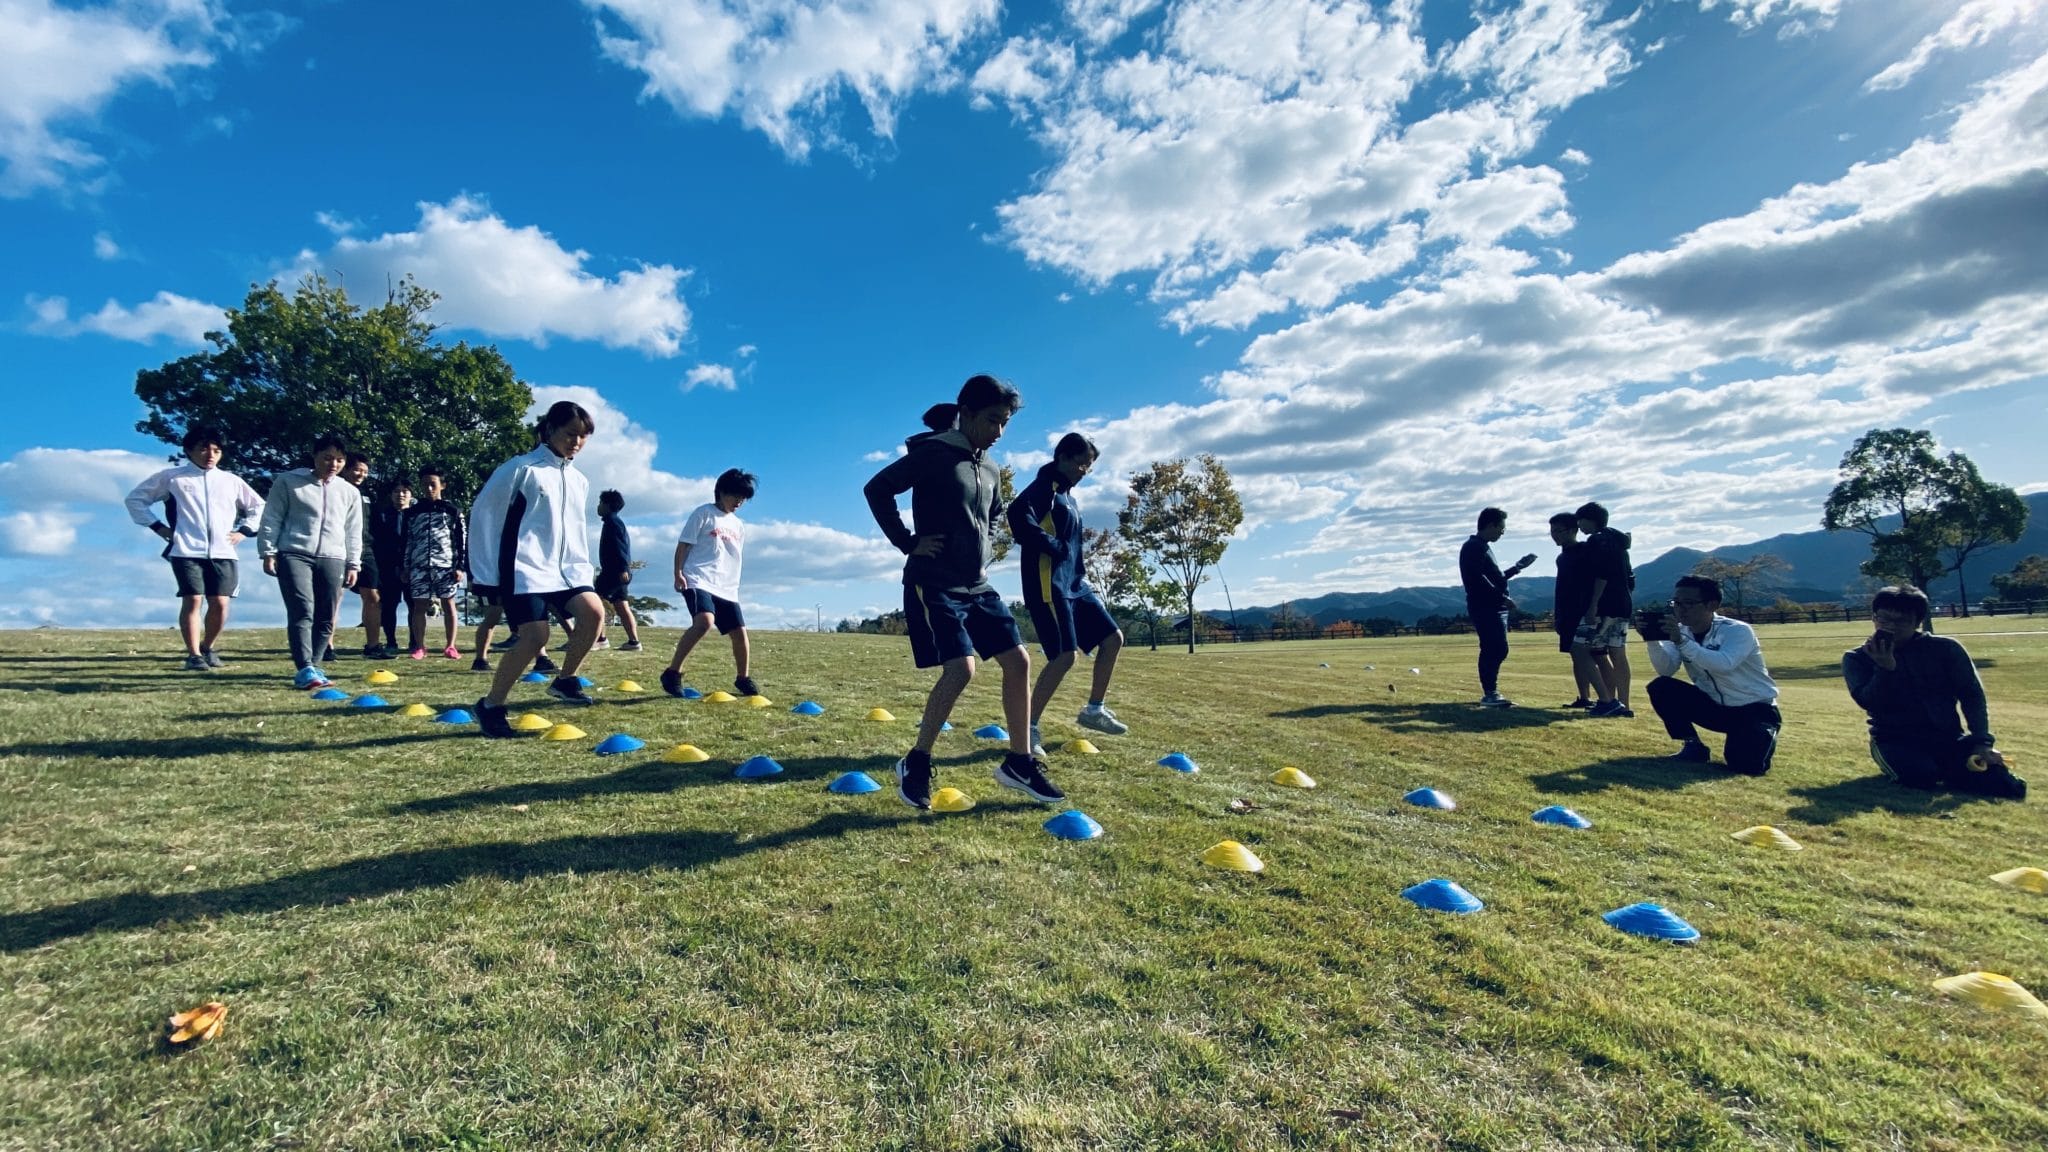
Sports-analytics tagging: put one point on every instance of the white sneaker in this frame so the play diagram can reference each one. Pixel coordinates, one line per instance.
(1101, 719)
(1037, 745)
(1495, 700)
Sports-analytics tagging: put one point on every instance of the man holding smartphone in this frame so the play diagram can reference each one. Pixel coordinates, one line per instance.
(1487, 602)
(1731, 690)
(1913, 684)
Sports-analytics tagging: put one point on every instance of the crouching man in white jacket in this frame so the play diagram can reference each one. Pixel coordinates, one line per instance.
(1731, 690)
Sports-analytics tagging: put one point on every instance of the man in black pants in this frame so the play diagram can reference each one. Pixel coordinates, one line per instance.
(1486, 601)
(1913, 683)
(1731, 690)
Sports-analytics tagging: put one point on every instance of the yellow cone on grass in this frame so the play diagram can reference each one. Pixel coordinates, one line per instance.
(531, 722)
(381, 676)
(564, 732)
(1765, 836)
(415, 710)
(1082, 747)
(1293, 778)
(720, 697)
(2025, 879)
(1992, 991)
(881, 715)
(1233, 857)
(758, 701)
(685, 754)
(951, 800)
(629, 686)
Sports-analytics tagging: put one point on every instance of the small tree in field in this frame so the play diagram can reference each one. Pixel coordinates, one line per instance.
(1181, 515)
(1738, 578)
(2027, 582)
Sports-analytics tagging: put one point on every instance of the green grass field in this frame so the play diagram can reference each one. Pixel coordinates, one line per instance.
(429, 940)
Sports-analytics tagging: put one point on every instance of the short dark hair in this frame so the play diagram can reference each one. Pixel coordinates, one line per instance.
(940, 417)
(1565, 520)
(427, 470)
(611, 497)
(734, 482)
(985, 391)
(397, 483)
(329, 440)
(200, 434)
(563, 413)
(1074, 445)
(1593, 512)
(1708, 587)
(355, 458)
(1491, 516)
(1902, 598)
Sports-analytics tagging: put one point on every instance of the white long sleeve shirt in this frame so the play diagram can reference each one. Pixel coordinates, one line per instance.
(1728, 664)
(202, 507)
(529, 530)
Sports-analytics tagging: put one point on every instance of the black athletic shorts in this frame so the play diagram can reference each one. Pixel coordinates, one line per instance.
(724, 613)
(1070, 624)
(486, 595)
(204, 577)
(611, 587)
(366, 576)
(523, 608)
(948, 625)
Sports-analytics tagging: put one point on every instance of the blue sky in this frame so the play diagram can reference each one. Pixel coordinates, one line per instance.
(1391, 262)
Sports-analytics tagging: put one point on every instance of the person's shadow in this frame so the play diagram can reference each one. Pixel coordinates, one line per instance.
(1649, 774)
(1431, 718)
(645, 774)
(374, 876)
(1829, 803)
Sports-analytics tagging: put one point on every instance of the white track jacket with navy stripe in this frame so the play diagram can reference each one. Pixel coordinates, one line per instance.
(529, 531)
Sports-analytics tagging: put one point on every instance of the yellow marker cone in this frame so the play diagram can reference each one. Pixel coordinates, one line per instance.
(1234, 857)
(951, 800)
(1293, 778)
(759, 702)
(629, 686)
(415, 710)
(201, 1023)
(2025, 879)
(685, 754)
(1992, 991)
(881, 715)
(564, 732)
(1082, 747)
(1765, 836)
(530, 722)
(381, 676)
(720, 697)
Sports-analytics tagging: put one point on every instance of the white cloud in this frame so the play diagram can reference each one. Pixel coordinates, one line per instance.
(1755, 13)
(36, 534)
(711, 375)
(42, 477)
(167, 315)
(511, 281)
(104, 247)
(1026, 71)
(782, 65)
(880, 454)
(1100, 21)
(1976, 22)
(1575, 158)
(60, 66)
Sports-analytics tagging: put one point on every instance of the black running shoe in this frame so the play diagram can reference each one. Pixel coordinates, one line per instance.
(746, 687)
(330, 657)
(1692, 752)
(541, 663)
(506, 645)
(569, 691)
(672, 682)
(491, 719)
(479, 665)
(914, 779)
(1027, 775)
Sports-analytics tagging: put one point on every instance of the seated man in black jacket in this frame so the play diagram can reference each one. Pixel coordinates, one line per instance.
(1913, 683)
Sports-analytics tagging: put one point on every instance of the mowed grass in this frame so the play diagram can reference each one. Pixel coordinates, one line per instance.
(430, 940)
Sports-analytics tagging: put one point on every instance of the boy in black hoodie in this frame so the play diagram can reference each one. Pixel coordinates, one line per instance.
(952, 612)
(1046, 522)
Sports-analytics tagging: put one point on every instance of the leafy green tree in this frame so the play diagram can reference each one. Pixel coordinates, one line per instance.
(2028, 581)
(288, 368)
(1891, 473)
(1181, 516)
(1738, 578)
(1114, 569)
(1977, 515)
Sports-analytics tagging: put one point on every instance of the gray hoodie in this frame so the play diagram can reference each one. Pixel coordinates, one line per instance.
(322, 519)
(955, 493)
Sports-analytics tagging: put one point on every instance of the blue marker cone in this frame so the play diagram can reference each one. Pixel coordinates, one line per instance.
(1651, 920)
(455, 716)
(1442, 896)
(692, 694)
(853, 784)
(992, 732)
(945, 725)
(755, 767)
(330, 694)
(1430, 798)
(1561, 816)
(584, 682)
(810, 708)
(535, 678)
(619, 742)
(368, 702)
(1179, 762)
(1073, 824)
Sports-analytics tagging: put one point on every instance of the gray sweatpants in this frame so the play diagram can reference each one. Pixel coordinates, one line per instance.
(312, 596)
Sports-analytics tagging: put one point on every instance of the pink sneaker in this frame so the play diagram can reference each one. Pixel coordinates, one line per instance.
(419, 653)
(451, 653)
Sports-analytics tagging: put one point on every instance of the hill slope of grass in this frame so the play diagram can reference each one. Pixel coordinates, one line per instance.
(429, 940)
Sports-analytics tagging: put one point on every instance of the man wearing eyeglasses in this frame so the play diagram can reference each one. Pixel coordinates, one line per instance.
(1731, 690)
(1913, 684)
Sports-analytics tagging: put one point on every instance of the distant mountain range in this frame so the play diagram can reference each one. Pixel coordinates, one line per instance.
(1820, 567)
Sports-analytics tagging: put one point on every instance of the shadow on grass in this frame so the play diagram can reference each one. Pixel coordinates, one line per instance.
(1397, 717)
(222, 744)
(1839, 801)
(1648, 773)
(375, 876)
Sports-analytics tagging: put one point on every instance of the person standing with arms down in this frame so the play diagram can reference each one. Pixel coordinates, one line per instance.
(1574, 591)
(1487, 601)
(615, 566)
(1604, 631)
(207, 512)
(311, 539)
(435, 551)
(1067, 614)
(952, 612)
(707, 574)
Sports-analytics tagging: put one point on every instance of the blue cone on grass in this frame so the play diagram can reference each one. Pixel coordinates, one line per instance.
(1073, 824)
(853, 784)
(330, 694)
(992, 732)
(535, 678)
(585, 682)
(1430, 798)
(368, 702)
(810, 708)
(1561, 816)
(1179, 762)
(619, 742)
(755, 767)
(1651, 920)
(455, 716)
(1442, 895)
(692, 694)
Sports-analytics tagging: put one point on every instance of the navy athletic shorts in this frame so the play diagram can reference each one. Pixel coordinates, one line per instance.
(724, 613)
(1071, 624)
(949, 625)
(523, 608)
(198, 577)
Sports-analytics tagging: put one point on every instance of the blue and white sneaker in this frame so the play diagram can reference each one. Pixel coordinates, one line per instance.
(310, 678)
